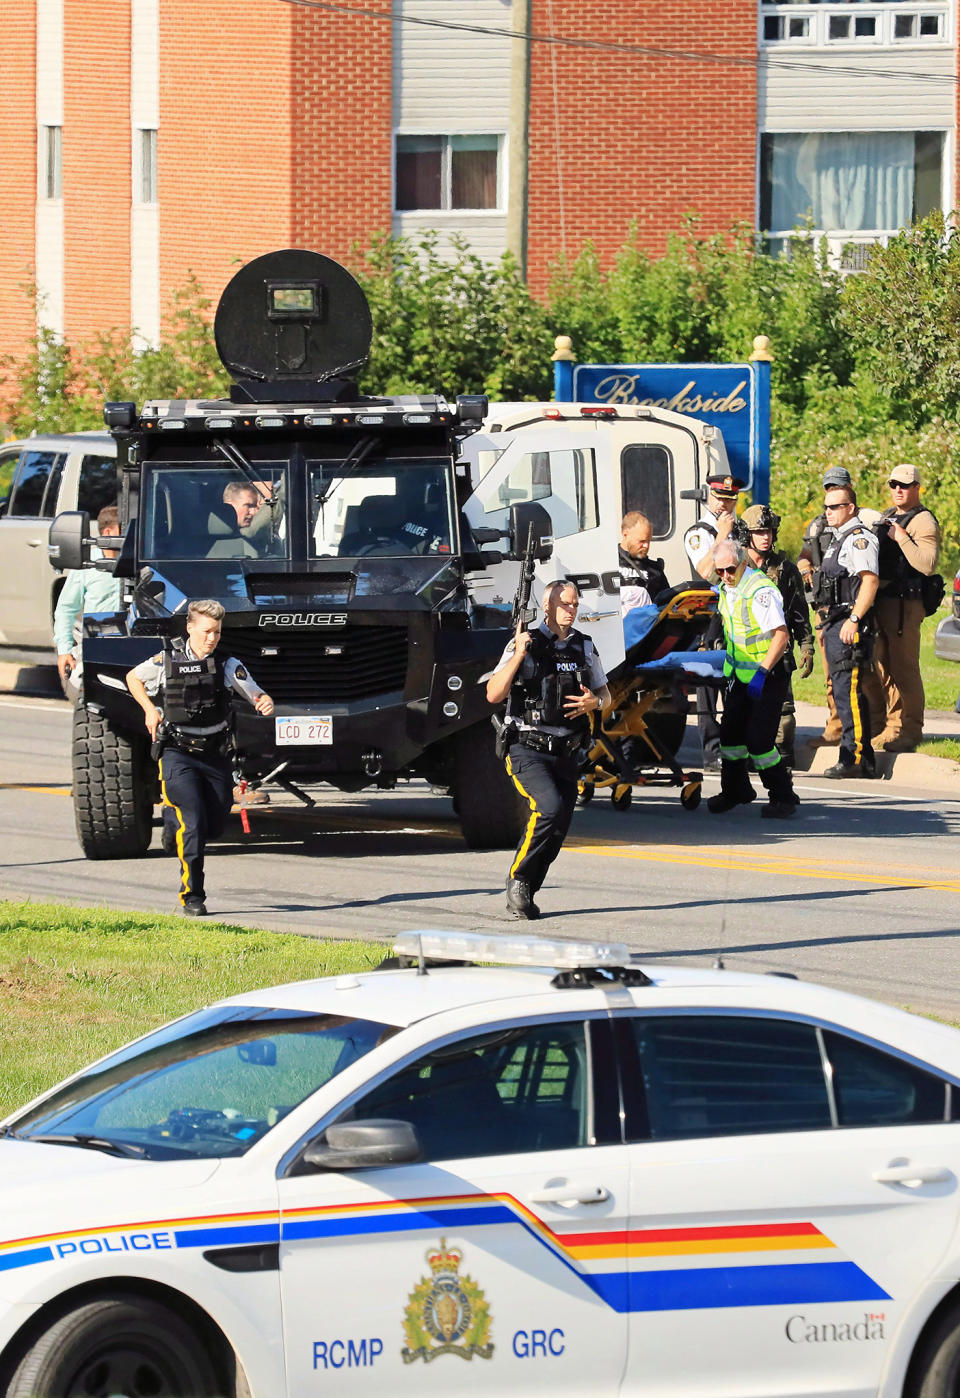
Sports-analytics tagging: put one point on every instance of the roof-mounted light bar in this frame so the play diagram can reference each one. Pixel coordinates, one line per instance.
(510, 951)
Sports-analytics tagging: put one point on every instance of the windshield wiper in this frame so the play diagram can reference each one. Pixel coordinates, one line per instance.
(350, 465)
(89, 1142)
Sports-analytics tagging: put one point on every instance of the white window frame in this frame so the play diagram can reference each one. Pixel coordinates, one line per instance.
(50, 164)
(820, 12)
(144, 165)
(838, 238)
(445, 211)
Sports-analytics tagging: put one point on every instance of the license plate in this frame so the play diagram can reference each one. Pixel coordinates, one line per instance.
(305, 732)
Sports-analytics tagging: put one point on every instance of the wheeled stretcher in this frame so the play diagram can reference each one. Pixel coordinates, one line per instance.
(636, 740)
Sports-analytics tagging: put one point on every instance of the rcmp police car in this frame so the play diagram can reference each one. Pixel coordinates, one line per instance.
(565, 1171)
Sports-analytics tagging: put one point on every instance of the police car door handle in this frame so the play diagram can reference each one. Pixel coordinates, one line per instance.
(571, 1194)
(912, 1175)
(34, 543)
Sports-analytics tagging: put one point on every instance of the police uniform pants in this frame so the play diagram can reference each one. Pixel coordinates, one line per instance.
(549, 785)
(197, 794)
(897, 660)
(834, 728)
(748, 732)
(849, 666)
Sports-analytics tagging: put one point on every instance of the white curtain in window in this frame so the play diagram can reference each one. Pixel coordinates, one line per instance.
(847, 180)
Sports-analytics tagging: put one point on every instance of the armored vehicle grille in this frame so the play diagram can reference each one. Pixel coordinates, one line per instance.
(310, 667)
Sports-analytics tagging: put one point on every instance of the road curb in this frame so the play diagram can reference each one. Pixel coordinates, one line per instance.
(915, 769)
(29, 679)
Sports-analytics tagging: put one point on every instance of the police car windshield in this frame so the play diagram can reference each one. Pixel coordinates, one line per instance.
(388, 506)
(197, 510)
(208, 1086)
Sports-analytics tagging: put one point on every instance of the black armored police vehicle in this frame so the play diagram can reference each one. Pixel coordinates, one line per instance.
(328, 526)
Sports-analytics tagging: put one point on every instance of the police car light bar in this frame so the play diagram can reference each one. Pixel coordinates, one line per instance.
(510, 951)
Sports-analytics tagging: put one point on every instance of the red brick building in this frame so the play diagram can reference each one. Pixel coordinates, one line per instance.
(142, 140)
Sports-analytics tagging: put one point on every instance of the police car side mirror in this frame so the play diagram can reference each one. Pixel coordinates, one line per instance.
(363, 1145)
(69, 540)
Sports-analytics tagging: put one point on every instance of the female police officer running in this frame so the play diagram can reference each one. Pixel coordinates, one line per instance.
(543, 678)
(195, 771)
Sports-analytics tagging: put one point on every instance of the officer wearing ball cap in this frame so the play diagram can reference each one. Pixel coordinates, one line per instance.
(817, 538)
(716, 523)
(909, 549)
(758, 528)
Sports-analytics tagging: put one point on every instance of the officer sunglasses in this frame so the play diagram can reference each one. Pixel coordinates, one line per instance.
(897, 485)
(731, 570)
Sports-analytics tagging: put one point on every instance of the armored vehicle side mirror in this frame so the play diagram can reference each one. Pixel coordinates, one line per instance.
(363, 1145)
(522, 515)
(69, 544)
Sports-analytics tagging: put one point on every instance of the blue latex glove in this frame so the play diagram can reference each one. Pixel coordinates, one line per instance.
(757, 680)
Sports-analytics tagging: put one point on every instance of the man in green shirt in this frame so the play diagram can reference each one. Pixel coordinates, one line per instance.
(85, 590)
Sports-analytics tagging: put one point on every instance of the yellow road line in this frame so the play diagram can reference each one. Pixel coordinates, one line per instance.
(847, 871)
(63, 790)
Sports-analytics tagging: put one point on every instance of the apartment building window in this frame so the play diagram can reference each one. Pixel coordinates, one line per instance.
(145, 164)
(448, 172)
(848, 182)
(51, 162)
(828, 24)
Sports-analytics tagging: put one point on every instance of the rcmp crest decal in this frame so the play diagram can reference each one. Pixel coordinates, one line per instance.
(446, 1313)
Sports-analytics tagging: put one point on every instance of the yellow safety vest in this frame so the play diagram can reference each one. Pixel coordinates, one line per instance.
(746, 643)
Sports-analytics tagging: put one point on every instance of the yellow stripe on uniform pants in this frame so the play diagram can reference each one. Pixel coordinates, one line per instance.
(181, 826)
(531, 823)
(855, 708)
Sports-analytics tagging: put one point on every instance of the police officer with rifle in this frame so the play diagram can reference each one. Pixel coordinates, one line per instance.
(552, 680)
(191, 735)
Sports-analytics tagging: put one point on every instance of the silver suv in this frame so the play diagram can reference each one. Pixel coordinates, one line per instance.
(76, 471)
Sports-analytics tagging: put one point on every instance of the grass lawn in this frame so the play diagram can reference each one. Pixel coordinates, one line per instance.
(77, 982)
(941, 678)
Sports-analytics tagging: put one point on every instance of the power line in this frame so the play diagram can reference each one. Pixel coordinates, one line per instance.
(628, 49)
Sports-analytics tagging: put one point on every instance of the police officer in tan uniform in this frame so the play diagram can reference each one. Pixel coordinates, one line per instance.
(909, 550)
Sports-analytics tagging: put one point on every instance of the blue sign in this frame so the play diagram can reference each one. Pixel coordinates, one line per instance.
(734, 398)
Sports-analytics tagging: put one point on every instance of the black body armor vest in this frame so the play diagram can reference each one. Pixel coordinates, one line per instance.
(642, 572)
(538, 699)
(194, 691)
(836, 587)
(902, 579)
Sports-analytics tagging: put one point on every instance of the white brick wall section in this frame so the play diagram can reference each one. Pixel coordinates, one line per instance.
(144, 218)
(49, 212)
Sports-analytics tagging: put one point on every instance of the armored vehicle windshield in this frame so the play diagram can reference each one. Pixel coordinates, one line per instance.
(388, 506)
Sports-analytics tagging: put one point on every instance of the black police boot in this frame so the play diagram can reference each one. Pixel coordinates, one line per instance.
(520, 902)
(735, 788)
(851, 769)
(783, 800)
(194, 906)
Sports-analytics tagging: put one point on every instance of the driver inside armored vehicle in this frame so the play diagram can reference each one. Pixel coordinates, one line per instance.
(200, 512)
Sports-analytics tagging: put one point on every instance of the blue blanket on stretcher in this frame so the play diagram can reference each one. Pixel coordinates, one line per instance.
(705, 664)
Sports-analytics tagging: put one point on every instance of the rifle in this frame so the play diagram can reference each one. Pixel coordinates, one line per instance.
(521, 601)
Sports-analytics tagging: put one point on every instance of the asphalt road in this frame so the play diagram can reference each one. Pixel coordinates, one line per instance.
(861, 891)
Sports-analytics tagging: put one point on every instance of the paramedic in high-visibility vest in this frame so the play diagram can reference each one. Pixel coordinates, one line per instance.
(756, 639)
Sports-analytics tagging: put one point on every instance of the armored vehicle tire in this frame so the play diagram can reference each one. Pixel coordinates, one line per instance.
(492, 812)
(113, 789)
(113, 1347)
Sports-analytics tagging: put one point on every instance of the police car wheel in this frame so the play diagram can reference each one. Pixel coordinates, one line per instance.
(934, 1370)
(117, 1349)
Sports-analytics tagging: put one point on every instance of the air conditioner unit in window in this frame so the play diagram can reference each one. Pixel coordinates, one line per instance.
(852, 253)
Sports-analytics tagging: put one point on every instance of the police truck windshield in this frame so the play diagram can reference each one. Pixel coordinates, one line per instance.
(201, 511)
(392, 507)
(208, 1086)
